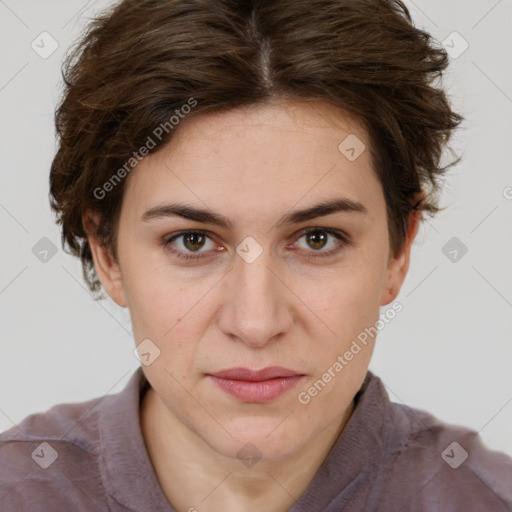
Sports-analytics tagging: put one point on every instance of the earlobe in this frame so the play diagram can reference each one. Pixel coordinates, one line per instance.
(106, 266)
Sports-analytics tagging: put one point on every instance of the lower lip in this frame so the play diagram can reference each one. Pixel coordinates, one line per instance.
(257, 391)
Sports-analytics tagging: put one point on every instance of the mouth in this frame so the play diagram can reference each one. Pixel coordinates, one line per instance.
(256, 386)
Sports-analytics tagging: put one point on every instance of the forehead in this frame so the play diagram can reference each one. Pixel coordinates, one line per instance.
(263, 156)
(308, 127)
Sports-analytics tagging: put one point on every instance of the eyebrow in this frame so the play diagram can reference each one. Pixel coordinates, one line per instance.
(210, 217)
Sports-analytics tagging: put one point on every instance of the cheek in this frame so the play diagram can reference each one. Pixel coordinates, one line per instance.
(347, 297)
(155, 298)
(346, 307)
(168, 311)
(162, 312)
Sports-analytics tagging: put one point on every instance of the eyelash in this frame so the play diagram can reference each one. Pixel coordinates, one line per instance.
(343, 240)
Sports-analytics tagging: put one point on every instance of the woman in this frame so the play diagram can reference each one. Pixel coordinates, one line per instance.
(247, 178)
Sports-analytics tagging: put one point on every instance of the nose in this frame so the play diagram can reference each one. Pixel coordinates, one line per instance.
(256, 305)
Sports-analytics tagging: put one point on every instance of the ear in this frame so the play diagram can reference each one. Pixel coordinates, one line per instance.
(399, 265)
(106, 266)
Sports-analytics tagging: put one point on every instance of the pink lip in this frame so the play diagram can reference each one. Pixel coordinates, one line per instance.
(256, 386)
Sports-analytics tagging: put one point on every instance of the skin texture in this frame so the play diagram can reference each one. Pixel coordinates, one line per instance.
(251, 165)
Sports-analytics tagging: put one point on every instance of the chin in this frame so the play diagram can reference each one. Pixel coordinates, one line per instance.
(260, 438)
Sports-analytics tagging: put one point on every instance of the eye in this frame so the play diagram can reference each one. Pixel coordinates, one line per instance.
(318, 239)
(190, 245)
(190, 242)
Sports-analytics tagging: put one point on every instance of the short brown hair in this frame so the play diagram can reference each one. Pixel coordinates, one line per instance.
(142, 60)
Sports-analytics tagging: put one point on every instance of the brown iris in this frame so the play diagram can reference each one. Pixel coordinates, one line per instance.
(193, 241)
(316, 239)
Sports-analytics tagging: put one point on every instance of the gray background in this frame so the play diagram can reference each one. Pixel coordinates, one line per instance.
(449, 351)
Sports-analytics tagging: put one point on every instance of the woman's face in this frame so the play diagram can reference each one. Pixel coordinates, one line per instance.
(256, 291)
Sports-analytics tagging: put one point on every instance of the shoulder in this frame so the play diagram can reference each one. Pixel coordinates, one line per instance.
(53, 458)
(436, 464)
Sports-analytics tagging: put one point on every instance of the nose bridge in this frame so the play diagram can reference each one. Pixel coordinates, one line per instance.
(257, 310)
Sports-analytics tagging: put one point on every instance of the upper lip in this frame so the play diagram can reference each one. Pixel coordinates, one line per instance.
(271, 372)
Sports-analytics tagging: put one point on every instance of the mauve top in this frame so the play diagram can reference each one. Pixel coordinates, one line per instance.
(91, 456)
